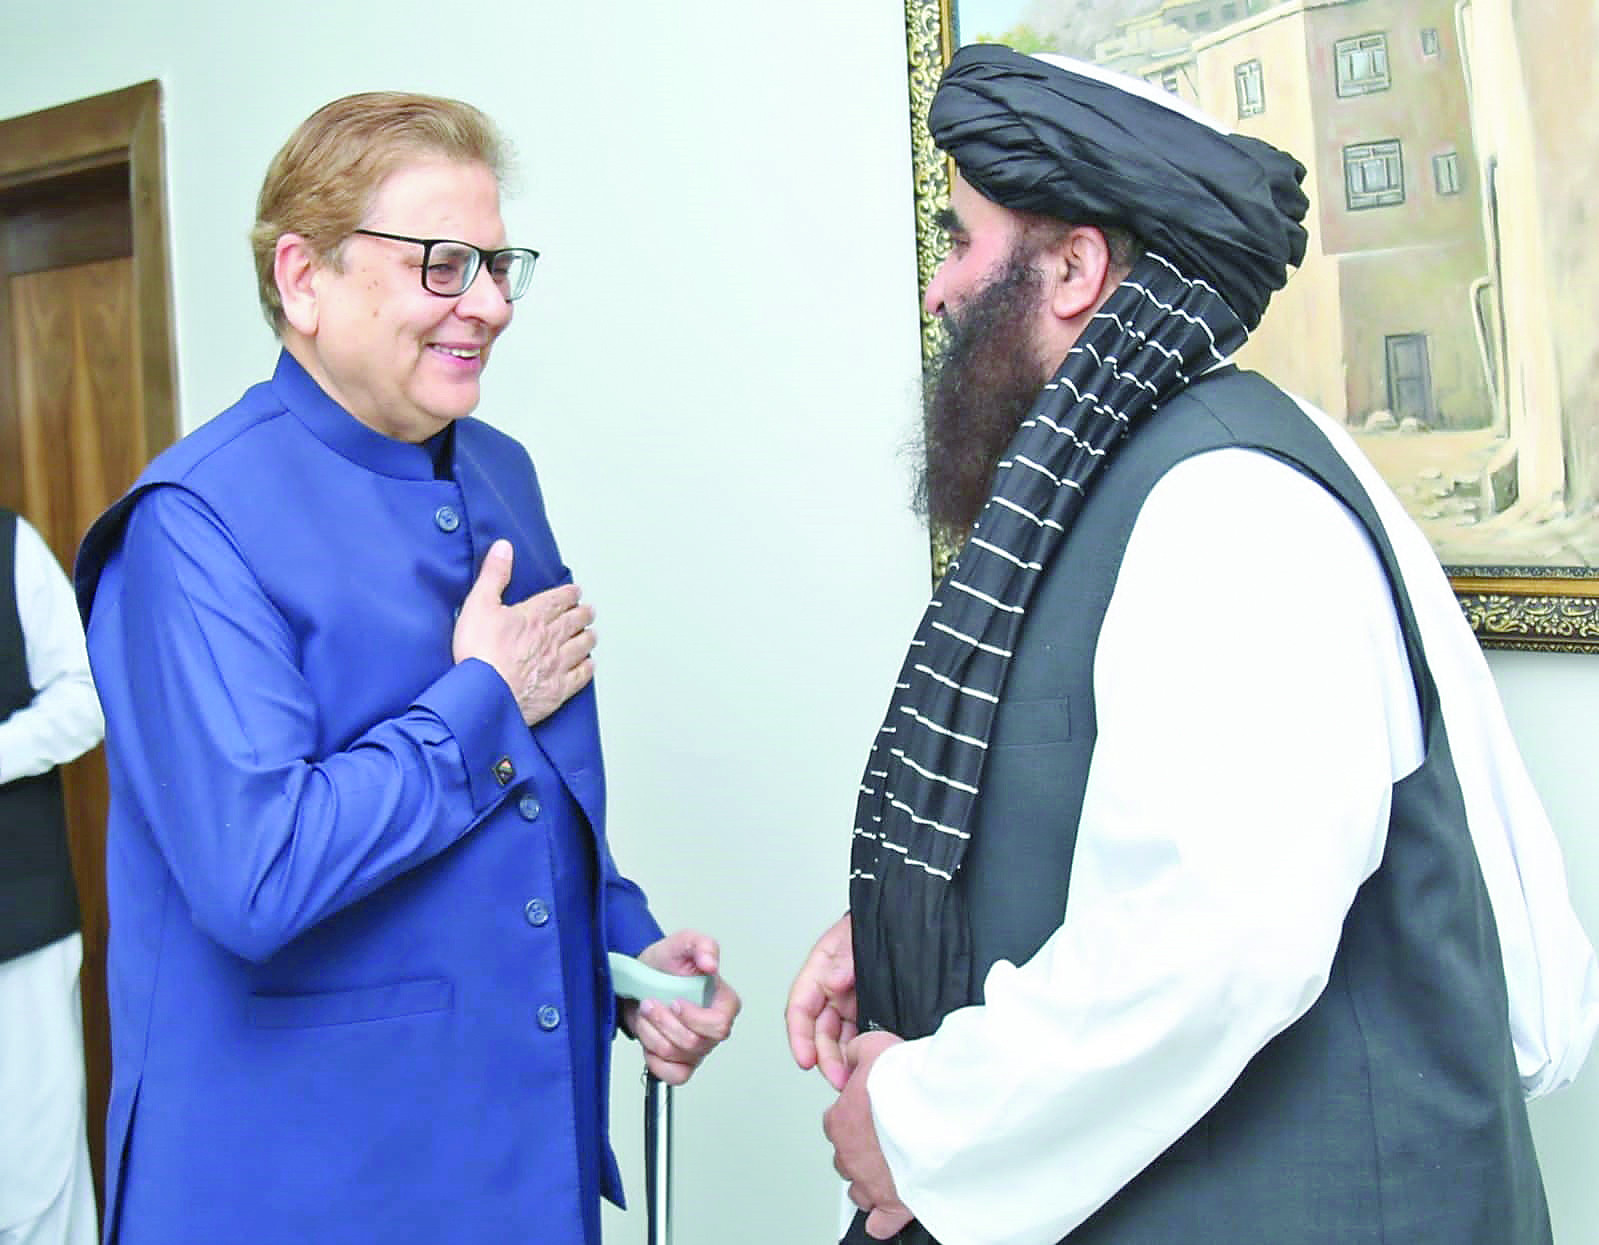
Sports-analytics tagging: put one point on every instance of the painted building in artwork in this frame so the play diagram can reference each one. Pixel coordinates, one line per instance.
(1383, 315)
(1158, 45)
(1150, 47)
(1447, 187)
(1536, 121)
(1371, 94)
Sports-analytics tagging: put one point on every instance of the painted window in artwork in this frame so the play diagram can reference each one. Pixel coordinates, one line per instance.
(1362, 64)
(1446, 173)
(1229, 12)
(1250, 84)
(1374, 175)
(1429, 41)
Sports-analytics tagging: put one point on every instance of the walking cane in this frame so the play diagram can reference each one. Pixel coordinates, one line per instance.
(634, 980)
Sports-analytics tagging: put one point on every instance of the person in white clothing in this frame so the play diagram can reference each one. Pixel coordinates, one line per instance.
(1198, 891)
(50, 716)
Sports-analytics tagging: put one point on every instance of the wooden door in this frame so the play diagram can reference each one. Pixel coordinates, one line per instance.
(86, 382)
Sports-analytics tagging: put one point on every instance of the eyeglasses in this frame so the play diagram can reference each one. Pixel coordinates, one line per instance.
(449, 267)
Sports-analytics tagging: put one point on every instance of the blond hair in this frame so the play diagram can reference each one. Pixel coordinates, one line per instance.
(321, 182)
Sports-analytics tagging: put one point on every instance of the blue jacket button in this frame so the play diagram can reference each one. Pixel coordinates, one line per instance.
(529, 806)
(536, 911)
(446, 518)
(549, 1017)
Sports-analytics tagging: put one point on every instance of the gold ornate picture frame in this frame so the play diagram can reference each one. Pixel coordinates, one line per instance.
(1481, 175)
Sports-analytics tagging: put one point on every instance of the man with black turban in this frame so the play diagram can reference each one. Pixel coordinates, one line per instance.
(1198, 891)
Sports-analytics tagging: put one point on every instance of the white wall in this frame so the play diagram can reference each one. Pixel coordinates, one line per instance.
(715, 369)
(1553, 704)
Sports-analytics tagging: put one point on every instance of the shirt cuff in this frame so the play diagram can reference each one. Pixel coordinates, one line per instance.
(497, 748)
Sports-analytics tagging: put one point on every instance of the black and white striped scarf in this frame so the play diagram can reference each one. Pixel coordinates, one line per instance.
(1158, 331)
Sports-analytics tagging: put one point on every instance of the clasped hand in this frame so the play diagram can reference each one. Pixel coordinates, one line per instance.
(677, 1036)
(540, 646)
(822, 1019)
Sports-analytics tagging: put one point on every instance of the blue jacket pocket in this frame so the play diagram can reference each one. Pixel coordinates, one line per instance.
(346, 1007)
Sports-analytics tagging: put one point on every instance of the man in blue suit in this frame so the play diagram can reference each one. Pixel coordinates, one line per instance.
(360, 893)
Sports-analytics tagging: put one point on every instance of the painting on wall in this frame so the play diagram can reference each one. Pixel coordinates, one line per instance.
(1447, 311)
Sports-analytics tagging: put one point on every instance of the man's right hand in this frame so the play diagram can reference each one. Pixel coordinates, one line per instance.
(821, 1012)
(539, 646)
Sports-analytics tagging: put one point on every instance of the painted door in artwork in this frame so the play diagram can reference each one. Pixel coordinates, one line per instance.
(1409, 377)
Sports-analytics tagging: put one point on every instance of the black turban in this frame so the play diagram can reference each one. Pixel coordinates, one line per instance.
(1035, 137)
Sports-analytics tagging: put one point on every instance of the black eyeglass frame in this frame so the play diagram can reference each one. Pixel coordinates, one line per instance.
(481, 258)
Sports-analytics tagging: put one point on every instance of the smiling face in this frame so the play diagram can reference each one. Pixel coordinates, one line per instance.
(403, 361)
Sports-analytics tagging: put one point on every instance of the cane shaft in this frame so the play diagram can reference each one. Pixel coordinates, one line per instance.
(658, 1159)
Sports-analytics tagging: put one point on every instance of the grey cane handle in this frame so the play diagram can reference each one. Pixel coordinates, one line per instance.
(634, 980)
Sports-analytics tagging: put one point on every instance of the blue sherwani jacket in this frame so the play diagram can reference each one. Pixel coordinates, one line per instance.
(358, 908)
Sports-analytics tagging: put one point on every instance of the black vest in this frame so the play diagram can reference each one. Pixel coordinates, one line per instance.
(1391, 1111)
(38, 901)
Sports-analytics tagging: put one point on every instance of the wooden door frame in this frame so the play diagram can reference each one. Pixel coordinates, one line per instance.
(115, 128)
(40, 153)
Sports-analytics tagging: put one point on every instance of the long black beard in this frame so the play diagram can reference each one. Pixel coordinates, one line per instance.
(982, 386)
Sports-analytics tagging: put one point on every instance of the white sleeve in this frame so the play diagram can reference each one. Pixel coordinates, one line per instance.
(1551, 971)
(1255, 708)
(63, 720)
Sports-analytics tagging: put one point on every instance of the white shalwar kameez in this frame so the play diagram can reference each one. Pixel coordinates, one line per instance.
(46, 1189)
(1251, 725)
